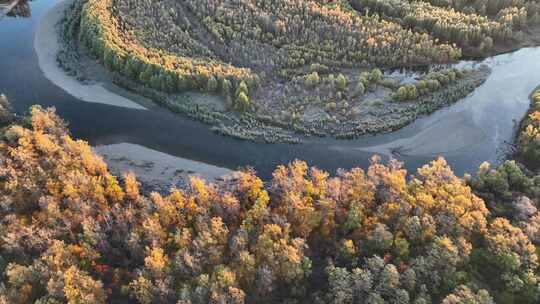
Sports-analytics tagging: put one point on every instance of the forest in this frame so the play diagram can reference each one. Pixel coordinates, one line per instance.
(71, 232)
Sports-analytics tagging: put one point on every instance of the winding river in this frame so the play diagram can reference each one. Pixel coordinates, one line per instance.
(476, 129)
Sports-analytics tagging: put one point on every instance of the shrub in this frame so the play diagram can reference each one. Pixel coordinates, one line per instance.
(242, 102)
(406, 92)
(312, 80)
(376, 75)
(341, 82)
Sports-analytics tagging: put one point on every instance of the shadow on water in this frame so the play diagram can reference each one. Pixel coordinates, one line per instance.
(490, 111)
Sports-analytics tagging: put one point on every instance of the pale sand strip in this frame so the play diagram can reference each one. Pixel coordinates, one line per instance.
(46, 45)
(154, 167)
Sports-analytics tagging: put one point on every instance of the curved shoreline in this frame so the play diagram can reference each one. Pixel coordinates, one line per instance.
(278, 117)
(156, 170)
(46, 46)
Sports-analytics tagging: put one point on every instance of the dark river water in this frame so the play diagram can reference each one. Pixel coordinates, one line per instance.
(486, 119)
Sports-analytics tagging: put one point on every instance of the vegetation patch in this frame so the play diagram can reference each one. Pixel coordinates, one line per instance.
(479, 28)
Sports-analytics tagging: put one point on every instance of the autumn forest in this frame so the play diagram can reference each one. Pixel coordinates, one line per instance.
(217, 83)
(72, 232)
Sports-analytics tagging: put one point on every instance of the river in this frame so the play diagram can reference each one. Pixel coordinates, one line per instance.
(474, 130)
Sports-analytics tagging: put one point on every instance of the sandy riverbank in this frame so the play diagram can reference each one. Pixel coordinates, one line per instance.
(156, 170)
(46, 45)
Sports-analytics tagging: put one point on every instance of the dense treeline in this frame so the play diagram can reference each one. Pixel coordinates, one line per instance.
(70, 232)
(306, 32)
(444, 23)
(159, 69)
(174, 46)
(494, 8)
(529, 138)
